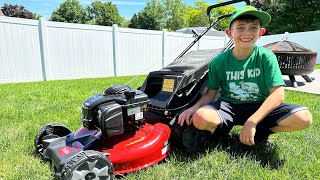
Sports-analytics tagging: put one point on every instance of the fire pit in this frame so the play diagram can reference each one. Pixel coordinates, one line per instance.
(294, 60)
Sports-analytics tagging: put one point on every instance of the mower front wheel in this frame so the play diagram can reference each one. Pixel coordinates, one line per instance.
(88, 165)
(52, 130)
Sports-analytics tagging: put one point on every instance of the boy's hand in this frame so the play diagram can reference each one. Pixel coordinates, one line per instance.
(186, 116)
(247, 133)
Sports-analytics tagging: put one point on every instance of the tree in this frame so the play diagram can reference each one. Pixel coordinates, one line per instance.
(197, 15)
(151, 17)
(175, 14)
(291, 15)
(105, 14)
(134, 22)
(144, 21)
(224, 10)
(36, 16)
(16, 11)
(70, 11)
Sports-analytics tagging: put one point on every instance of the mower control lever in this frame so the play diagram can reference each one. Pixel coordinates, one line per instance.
(224, 4)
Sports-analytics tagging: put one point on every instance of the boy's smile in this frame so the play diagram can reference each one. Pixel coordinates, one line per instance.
(245, 34)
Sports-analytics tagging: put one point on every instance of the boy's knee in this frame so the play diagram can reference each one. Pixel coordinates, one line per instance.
(205, 119)
(306, 119)
(303, 119)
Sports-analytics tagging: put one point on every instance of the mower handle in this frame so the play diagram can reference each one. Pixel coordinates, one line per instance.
(224, 4)
(224, 16)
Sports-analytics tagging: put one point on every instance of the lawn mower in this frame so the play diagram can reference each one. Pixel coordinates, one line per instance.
(125, 129)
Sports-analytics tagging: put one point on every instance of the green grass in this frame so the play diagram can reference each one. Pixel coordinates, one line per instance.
(25, 107)
(317, 66)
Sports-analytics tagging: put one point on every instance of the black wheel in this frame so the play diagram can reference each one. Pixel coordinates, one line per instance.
(53, 130)
(88, 165)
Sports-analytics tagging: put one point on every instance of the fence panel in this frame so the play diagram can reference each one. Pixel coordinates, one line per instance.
(20, 59)
(139, 51)
(175, 43)
(79, 51)
(212, 42)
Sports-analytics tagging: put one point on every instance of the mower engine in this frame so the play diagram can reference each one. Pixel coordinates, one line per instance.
(119, 109)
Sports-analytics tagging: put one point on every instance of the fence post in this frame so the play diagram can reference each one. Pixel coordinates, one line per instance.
(42, 27)
(164, 35)
(115, 47)
(286, 35)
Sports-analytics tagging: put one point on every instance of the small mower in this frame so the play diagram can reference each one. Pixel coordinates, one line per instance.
(125, 129)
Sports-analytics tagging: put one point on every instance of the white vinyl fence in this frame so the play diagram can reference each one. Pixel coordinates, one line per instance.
(32, 50)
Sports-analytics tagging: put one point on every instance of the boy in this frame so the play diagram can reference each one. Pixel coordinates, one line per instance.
(251, 88)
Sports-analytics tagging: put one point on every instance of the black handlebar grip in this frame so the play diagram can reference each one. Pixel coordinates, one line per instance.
(224, 4)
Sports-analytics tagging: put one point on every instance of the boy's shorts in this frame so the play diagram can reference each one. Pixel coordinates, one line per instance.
(237, 114)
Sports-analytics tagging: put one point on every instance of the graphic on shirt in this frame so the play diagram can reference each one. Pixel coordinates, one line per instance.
(236, 75)
(244, 91)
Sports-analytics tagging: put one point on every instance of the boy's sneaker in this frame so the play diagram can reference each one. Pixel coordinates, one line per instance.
(195, 140)
(262, 136)
(220, 134)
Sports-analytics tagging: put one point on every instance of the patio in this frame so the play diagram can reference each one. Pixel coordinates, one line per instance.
(303, 85)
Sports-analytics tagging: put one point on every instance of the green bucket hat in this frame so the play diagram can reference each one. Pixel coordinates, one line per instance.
(264, 17)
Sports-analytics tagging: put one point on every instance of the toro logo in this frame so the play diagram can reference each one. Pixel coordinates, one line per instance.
(65, 150)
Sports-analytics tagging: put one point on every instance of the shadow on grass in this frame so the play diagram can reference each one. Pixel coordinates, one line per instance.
(265, 154)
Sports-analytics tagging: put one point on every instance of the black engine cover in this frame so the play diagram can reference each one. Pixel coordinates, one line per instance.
(110, 119)
(118, 109)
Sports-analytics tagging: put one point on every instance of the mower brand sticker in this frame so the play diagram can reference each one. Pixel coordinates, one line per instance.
(168, 85)
(133, 110)
(64, 151)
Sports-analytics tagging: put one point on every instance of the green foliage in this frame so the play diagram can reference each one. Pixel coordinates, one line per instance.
(105, 14)
(160, 14)
(70, 11)
(197, 15)
(175, 14)
(143, 21)
(217, 12)
(36, 16)
(135, 21)
(291, 15)
(151, 17)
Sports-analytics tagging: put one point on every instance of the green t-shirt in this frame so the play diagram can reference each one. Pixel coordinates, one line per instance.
(245, 81)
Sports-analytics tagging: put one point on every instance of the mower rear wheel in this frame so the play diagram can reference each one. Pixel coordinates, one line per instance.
(88, 165)
(52, 129)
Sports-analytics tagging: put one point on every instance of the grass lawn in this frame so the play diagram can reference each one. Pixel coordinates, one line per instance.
(318, 66)
(25, 107)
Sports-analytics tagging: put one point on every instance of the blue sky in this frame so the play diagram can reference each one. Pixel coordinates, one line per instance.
(45, 7)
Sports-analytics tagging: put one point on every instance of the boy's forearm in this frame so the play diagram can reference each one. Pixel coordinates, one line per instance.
(272, 102)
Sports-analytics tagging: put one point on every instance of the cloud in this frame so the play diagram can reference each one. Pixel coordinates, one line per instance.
(137, 3)
(134, 3)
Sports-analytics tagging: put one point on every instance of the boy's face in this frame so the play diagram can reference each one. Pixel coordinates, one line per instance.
(245, 33)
